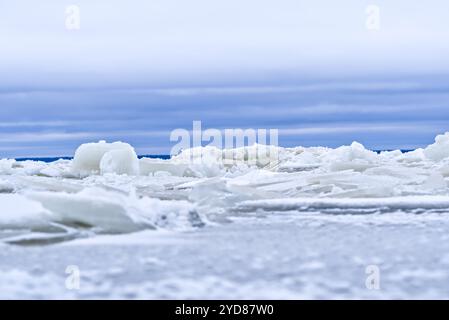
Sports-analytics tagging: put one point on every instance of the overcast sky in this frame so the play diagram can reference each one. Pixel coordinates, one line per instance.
(137, 69)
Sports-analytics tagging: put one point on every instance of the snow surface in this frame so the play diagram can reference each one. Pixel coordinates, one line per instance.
(253, 222)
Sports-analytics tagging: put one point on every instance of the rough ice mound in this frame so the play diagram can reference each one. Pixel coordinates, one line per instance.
(6, 166)
(107, 189)
(210, 161)
(353, 157)
(440, 149)
(102, 157)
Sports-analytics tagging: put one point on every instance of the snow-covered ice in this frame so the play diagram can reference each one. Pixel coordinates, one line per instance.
(253, 222)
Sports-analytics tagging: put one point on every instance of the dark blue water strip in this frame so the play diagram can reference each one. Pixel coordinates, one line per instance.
(52, 159)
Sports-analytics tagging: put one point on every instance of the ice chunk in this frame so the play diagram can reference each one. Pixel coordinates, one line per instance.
(6, 166)
(354, 157)
(211, 161)
(20, 212)
(120, 158)
(6, 187)
(440, 149)
(435, 181)
(151, 166)
(121, 161)
(416, 156)
(378, 204)
(90, 207)
(355, 151)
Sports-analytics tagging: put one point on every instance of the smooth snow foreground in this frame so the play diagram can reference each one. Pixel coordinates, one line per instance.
(254, 222)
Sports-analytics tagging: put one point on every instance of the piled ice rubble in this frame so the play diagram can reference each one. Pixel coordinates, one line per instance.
(120, 158)
(440, 149)
(107, 187)
(210, 161)
(205, 162)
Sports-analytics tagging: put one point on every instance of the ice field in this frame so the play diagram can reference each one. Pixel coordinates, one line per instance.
(253, 222)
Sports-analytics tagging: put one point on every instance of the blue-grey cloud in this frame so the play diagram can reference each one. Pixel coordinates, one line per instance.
(138, 69)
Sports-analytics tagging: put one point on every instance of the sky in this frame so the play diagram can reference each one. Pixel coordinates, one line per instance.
(319, 71)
